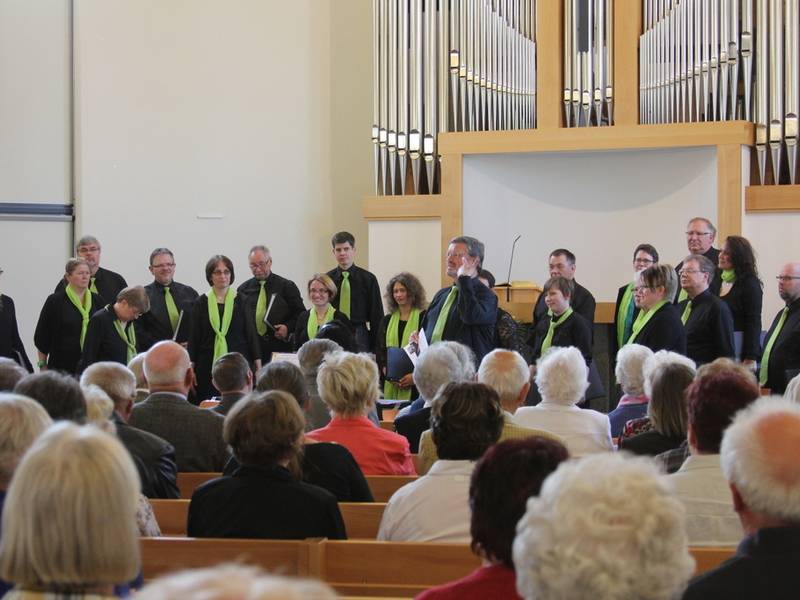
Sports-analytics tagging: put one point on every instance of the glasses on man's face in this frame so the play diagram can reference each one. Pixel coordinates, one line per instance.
(258, 265)
(697, 233)
(689, 271)
(88, 249)
(164, 266)
(783, 278)
(642, 261)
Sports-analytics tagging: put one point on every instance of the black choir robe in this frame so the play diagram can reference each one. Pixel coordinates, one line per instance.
(108, 284)
(287, 306)
(154, 325)
(103, 342)
(745, 300)
(58, 331)
(241, 337)
(784, 358)
(664, 331)
(582, 302)
(11, 345)
(575, 331)
(300, 335)
(709, 329)
(366, 306)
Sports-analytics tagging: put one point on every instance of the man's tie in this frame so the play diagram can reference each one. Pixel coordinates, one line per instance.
(92, 286)
(344, 294)
(261, 309)
(763, 375)
(686, 312)
(438, 329)
(172, 308)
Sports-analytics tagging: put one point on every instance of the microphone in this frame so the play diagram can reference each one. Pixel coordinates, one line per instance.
(510, 263)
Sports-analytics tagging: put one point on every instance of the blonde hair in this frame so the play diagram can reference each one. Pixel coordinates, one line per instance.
(70, 512)
(99, 408)
(22, 420)
(348, 383)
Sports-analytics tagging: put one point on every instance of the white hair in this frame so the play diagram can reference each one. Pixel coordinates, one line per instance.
(793, 390)
(506, 372)
(136, 365)
(466, 357)
(233, 582)
(767, 476)
(99, 408)
(22, 420)
(663, 357)
(562, 376)
(116, 380)
(436, 367)
(582, 539)
(629, 371)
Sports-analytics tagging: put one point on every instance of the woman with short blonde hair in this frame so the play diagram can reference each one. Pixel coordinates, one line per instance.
(348, 385)
(321, 291)
(69, 522)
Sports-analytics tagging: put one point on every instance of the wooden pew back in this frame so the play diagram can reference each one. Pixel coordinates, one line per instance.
(710, 557)
(188, 482)
(383, 486)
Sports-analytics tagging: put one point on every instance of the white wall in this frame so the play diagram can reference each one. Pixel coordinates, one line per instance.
(598, 205)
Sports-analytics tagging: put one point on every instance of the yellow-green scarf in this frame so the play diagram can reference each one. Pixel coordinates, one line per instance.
(220, 343)
(393, 340)
(85, 309)
(642, 320)
(313, 325)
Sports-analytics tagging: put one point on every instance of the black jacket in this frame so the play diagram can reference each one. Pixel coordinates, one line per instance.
(745, 300)
(263, 502)
(154, 325)
(103, 342)
(11, 345)
(287, 306)
(785, 353)
(154, 458)
(366, 305)
(709, 329)
(582, 302)
(575, 331)
(664, 331)
(58, 332)
(108, 285)
(412, 425)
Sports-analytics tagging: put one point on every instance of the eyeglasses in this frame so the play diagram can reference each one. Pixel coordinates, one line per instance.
(163, 266)
(258, 265)
(88, 249)
(636, 290)
(219, 272)
(643, 261)
(697, 233)
(783, 278)
(689, 271)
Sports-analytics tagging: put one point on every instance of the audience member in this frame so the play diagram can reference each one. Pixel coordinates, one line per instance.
(233, 582)
(232, 376)
(504, 478)
(630, 376)
(69, 521)
(309, 357)
(196, 434)
(759, 459)
(603, 527)
(10, 374)
(136, 365)
(466, 419)
(59, 393)
(263, 498)
(153, 456)
(667, 375)
(713, 400)
(348, 384)
(561, 376)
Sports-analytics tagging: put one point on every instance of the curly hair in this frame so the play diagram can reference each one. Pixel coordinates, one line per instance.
(741, 255)
(416, 293)
(580, 539)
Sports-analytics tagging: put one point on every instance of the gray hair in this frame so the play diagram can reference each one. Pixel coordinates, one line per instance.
(86, 240)
(436, 367)
(136, 365)
(465, 356)
(703, 264)
(506, 372)
(475, 247)
(10, 374)
(311, 353)
(116, 380)
(259, 248)
(564, 551)
(629, 371)
(562, 376)
(22, 420)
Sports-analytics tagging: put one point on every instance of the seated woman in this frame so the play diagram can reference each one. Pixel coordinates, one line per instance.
(667, 375)
(263, 498)
(321, 290)
(405, 299)
(630, 376)
(330, 466)
(348, 384)
(564, 327)
(504, 478)
(87, 543)
(561, 376)
(658, 324)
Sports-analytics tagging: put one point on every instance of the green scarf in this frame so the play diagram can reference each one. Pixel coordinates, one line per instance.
(551, 329)
(623, 313)
(85, 309)
(390, 390)
(642, 320)
(129, 339)
(313, 325)
(220, 343)
(728, 275)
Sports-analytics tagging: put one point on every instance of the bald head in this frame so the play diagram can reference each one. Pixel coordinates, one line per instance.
(507, 373)
(759, 458)
(167, 368)
(789, 282)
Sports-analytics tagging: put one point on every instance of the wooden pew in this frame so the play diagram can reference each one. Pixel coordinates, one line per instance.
(188, 482)
(361, 519)
(710, 557)
(400, 569)
(383, 486)
(167, 554)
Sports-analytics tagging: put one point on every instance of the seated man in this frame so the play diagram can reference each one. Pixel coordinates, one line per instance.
(603, 527)
(759, 459)
(232, 376)
(714, 398)
(195, 433)
(466, 420)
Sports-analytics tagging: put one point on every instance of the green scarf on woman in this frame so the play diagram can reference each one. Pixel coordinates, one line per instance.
(220, 343)
(84, 308)
(642, 320)
(313, 324)
(393, 340)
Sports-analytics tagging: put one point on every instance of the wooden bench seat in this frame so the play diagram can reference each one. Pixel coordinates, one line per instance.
(361, 519)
